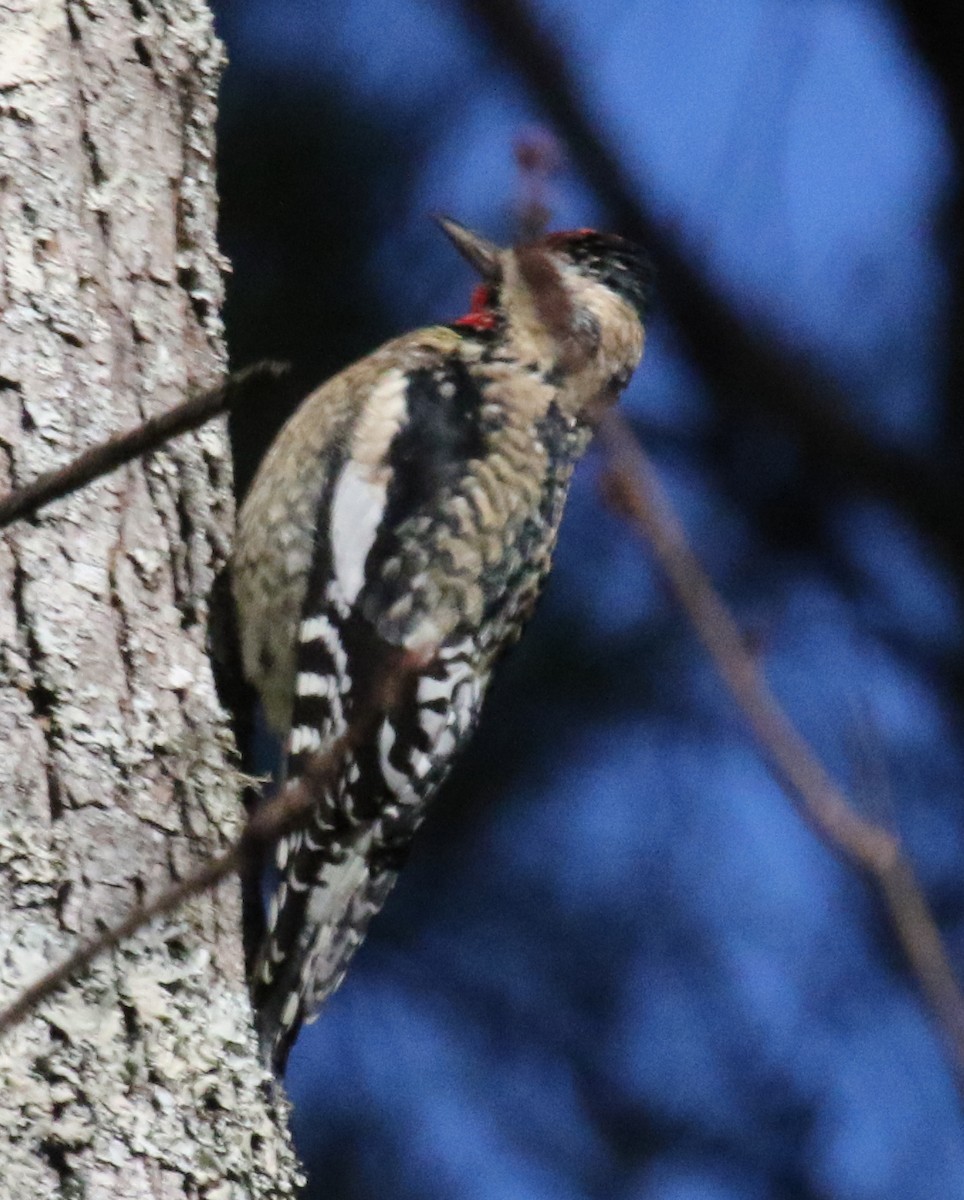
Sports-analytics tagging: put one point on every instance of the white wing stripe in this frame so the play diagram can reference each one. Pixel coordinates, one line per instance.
(309, 683)
(304, 737)
(361, 492)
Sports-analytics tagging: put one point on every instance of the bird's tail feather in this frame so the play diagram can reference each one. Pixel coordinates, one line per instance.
(318, 917)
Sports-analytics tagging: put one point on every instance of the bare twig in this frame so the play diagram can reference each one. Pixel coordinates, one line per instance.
(288, 811)
(932, 29)
(272, 820)
(538, 157)
(635, 491)
(125, 447)
(43, 988)
(749, 371)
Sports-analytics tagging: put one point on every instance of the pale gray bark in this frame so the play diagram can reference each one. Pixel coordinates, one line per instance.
(140, 1080)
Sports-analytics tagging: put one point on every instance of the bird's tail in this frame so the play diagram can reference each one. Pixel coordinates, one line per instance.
(317, 919)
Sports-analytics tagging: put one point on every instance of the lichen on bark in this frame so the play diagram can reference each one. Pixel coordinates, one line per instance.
(139, 1080)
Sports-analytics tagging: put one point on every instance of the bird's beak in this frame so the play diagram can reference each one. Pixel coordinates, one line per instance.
(482, 254)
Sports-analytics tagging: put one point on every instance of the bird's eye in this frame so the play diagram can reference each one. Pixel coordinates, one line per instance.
(619, 380)
(586, 328)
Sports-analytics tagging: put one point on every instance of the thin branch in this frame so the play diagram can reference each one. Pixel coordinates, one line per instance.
(125, 447)
(635, 491)
(168, 901)
(932, 28)
(748, 371)
(288, 811)
(277, 817)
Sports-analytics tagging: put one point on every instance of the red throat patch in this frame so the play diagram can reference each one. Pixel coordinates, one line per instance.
(480, 314)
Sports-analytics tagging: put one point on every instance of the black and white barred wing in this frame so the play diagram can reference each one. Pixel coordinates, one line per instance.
(338, 870)
(373, 666)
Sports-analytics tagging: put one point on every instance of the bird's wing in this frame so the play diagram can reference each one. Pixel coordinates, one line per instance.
(390, 689)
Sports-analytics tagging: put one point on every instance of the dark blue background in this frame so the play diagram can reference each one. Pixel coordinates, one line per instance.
(618, 964)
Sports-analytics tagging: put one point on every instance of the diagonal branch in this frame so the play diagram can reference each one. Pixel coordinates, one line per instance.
(634, 490)
(933, 29)
(125, 447)
(283, 814)
(747, 369)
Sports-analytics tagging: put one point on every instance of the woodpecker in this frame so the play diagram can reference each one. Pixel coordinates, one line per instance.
(392, 545)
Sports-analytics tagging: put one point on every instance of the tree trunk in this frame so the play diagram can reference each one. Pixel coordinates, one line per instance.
(141, 1079)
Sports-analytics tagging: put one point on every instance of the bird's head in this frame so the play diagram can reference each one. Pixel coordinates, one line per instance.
(570, 306)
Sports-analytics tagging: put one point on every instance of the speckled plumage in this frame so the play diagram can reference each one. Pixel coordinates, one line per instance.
(407, 514)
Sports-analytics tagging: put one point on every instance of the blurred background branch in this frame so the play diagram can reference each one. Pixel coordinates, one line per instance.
(619, 963)
(745, 363)
(633, 490)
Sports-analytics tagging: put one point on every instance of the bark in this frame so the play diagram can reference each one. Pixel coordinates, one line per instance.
(141, 1079)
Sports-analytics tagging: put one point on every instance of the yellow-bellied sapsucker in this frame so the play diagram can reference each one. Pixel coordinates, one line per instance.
(391, 546)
